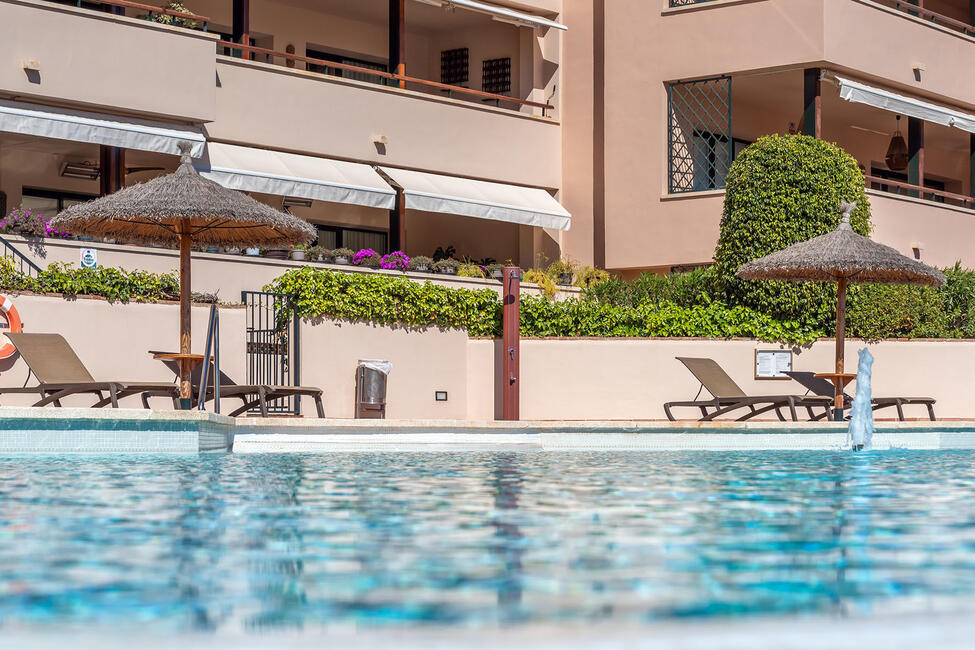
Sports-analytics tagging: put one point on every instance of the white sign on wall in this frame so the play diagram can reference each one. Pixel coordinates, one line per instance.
(89, 258)
(773, 364)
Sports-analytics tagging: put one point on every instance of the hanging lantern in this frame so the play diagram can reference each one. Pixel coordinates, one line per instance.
(897, 151)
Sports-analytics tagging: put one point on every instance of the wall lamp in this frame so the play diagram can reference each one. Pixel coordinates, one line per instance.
(86, 170)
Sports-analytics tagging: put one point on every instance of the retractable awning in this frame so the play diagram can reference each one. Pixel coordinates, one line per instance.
(97, 128)
(530, 206)
(854, 91)
(503, 14)
(288, 174)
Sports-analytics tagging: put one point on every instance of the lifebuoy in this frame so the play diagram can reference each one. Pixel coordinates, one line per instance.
(13, 325)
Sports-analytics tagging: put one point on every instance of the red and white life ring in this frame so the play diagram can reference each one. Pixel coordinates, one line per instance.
(13, 325)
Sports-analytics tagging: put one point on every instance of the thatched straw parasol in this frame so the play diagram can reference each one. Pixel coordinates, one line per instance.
(841, 256)
(183, 208)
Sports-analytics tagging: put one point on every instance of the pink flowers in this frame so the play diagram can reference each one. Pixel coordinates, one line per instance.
(397, 260)
(363, 254)
(23, 222)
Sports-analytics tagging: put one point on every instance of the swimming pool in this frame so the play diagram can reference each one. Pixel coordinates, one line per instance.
(268, 541)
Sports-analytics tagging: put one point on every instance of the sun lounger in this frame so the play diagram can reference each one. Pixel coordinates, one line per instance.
(61, 373)
(727, 396)
(822, 387)
(251, 395)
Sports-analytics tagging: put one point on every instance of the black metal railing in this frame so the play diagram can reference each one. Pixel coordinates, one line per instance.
(273, 346)
(700, 146)
(212, 350)
(20, 262)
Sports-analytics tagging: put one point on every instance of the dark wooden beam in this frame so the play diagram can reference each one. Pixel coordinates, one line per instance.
(241, 24)
(915, 152)
(812, 111)
(397, 38)
(111, 169)
(397, 224)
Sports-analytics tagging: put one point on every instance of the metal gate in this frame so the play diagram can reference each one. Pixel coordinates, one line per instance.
(273, 339)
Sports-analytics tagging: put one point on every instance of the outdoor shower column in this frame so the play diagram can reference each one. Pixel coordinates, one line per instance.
(510, 344)
(397, 38)
(915, 154)
(242, 26)
(812, 111)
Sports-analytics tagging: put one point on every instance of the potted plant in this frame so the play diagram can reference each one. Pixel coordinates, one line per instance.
(562, 271)
(420, 264)
(368, 258)
(447, 266)
(298, 253)
(276, 253)
(395, 261)
(495, 271)
(470, 270)
(342, 256)
(252, 251)
(316, 253)
(231, 250)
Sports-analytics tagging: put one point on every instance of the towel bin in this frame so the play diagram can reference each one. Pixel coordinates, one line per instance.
(370, 388)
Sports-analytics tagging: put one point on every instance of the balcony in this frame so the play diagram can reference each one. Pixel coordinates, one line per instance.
(923, 206)
(58, 53)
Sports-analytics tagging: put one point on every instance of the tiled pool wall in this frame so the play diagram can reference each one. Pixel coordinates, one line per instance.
(47, 430)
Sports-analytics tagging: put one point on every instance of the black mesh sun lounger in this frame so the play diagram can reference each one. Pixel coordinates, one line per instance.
(820, 386)
(727, 396)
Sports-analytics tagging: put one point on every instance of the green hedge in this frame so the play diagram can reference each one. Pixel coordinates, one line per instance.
(781, 190)
(394, 300)
(114, 284)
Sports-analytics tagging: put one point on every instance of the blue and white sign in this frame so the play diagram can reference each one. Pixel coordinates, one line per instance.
(89, 258)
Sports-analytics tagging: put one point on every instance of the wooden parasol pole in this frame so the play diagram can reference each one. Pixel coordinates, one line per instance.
(185, 247)
(840, 345)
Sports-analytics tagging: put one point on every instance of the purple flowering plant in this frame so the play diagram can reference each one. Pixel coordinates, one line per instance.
(23, 222)
(397, 260)
(363, 254)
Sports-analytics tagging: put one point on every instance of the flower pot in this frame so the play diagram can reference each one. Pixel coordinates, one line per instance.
(277, 254)
(253, 252)
(565, 279)
(498, 274)
(447, 271)
(343, 261)
(233, 250)
(213, 249)
(298, 255)
(422, 268)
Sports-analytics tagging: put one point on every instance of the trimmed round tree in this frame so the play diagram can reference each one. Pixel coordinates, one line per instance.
(781, 190)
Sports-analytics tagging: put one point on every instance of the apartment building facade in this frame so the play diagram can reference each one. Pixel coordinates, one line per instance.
(390, 124)
(678, 87)
(601, 130)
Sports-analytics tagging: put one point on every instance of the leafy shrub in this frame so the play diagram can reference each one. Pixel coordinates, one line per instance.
(24, 222)
(781, 190)
(178, 21)
(470, 271)
(589, 276)
(879, 311)
(697, 287)
(419, 261)
(544, 282)
(117, 285)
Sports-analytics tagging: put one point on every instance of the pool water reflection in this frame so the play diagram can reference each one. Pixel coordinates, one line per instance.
(480, 539)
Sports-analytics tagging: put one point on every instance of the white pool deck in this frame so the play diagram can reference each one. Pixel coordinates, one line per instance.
(883, 632)
(51, 430)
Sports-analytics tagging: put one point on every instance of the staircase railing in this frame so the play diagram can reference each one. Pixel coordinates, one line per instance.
(21, 263)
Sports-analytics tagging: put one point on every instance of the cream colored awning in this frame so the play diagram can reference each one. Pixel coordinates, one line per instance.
(288, 174)
(530, 206)
(98, 128)
(503, 14)
(854, 91)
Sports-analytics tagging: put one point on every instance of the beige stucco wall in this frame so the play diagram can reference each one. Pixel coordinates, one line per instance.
(597, 379)
(148, 57)
(112, 341)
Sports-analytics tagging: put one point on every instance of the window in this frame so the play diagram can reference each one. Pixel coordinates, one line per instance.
(354, 238)
(496, 76)
(699, 141)
(50, 202)
(346, 60)
(455, 66)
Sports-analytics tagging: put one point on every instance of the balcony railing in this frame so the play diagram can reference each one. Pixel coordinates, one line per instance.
(152, 11)
(916, 191)
(399, 79)
(917, 9)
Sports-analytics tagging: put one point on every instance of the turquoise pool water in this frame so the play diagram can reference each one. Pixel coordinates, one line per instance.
(480, 539)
